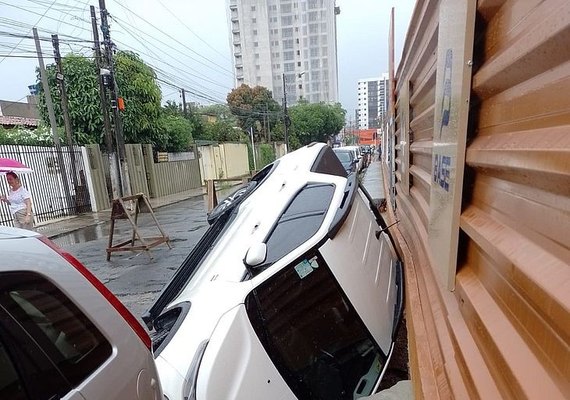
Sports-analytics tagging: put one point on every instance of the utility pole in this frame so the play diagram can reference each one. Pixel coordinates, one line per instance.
(52, 121)
(253, 148)
(114, 171)
(118, 126)
(184, 102)
(286, 120)
(65, 111)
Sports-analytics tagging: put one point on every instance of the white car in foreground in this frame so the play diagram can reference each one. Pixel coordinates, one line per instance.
(295, 291)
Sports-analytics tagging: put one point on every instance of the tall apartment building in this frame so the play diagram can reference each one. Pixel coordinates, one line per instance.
(372, 101)
(291, 40)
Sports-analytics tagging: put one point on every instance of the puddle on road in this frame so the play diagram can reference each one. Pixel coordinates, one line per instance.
(83, 235)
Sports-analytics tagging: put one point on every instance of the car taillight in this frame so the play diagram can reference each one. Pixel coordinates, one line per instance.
(111, 298)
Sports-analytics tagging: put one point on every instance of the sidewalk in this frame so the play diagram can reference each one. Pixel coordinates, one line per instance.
(67, 225)
(373, 180)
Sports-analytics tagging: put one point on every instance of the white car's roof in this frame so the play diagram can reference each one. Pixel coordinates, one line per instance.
(7, 232)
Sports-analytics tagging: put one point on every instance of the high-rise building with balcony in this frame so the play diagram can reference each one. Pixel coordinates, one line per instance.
(294, 41)
(372, 101)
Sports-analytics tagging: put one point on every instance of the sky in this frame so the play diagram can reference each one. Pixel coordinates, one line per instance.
(185, 41)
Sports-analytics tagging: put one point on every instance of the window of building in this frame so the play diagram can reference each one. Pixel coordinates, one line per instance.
(313, 28)
(324, 51)
(256, 55)
(313, 16)
(325, 62)
(286, 8)
(289, 67)
(257, 67)
(252, 8)
(255, 32)
(287, 32)
(315, 64)
(313, 40)
(298, 52)
(314, 52)
(324, 27)
(288, 55)
(255, 44)
(299, 64)
(253, 20)
(287, 20)
(288, 43)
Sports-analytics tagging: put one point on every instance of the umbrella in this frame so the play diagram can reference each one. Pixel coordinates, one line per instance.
(9, 165)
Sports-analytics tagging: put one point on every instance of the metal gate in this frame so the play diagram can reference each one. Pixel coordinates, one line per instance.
(55, 192)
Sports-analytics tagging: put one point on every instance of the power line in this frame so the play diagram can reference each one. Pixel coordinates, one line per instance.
(191, 31)
(158, 58)
(37, 22)
(177, 41)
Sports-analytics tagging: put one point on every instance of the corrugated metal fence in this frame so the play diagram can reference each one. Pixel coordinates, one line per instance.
(482, 129)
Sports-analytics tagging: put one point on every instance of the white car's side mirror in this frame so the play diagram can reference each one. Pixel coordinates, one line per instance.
(256, 254)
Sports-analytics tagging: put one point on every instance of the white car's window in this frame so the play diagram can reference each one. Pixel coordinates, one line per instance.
(312, 333)
(11, 386)
(300, 221)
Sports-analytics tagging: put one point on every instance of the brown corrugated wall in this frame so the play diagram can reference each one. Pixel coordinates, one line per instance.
(503, 331)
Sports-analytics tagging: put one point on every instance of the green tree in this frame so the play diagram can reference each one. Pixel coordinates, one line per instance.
(175, 134)
(137, 85)
(223, 131)
(315, 122)
(254, 108)
(83, 95)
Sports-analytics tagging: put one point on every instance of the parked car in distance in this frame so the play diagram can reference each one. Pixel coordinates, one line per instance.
(347, 158)
(294, 291)
(358, 155)
(63, 334)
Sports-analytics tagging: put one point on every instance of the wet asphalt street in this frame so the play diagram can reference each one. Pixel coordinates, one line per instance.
(135, 278)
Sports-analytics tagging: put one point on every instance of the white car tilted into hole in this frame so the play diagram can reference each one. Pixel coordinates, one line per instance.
(295, 291)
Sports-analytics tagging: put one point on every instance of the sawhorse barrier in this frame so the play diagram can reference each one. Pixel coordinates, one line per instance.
(139, 203)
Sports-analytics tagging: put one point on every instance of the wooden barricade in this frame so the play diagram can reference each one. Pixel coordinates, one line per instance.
(120, 210)
(211, 193)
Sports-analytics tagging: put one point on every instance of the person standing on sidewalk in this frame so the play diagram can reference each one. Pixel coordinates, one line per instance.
(20, 202)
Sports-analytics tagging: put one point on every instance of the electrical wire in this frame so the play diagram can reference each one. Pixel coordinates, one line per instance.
(177, 41)
(37, 22)
(192, 32)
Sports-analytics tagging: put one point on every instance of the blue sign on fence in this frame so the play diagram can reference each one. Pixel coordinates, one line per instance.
(441, 170)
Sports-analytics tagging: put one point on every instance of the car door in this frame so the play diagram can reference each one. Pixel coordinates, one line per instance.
(47, 342)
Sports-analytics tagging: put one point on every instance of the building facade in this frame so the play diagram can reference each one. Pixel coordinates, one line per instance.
(372, 101)
(291, 42)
